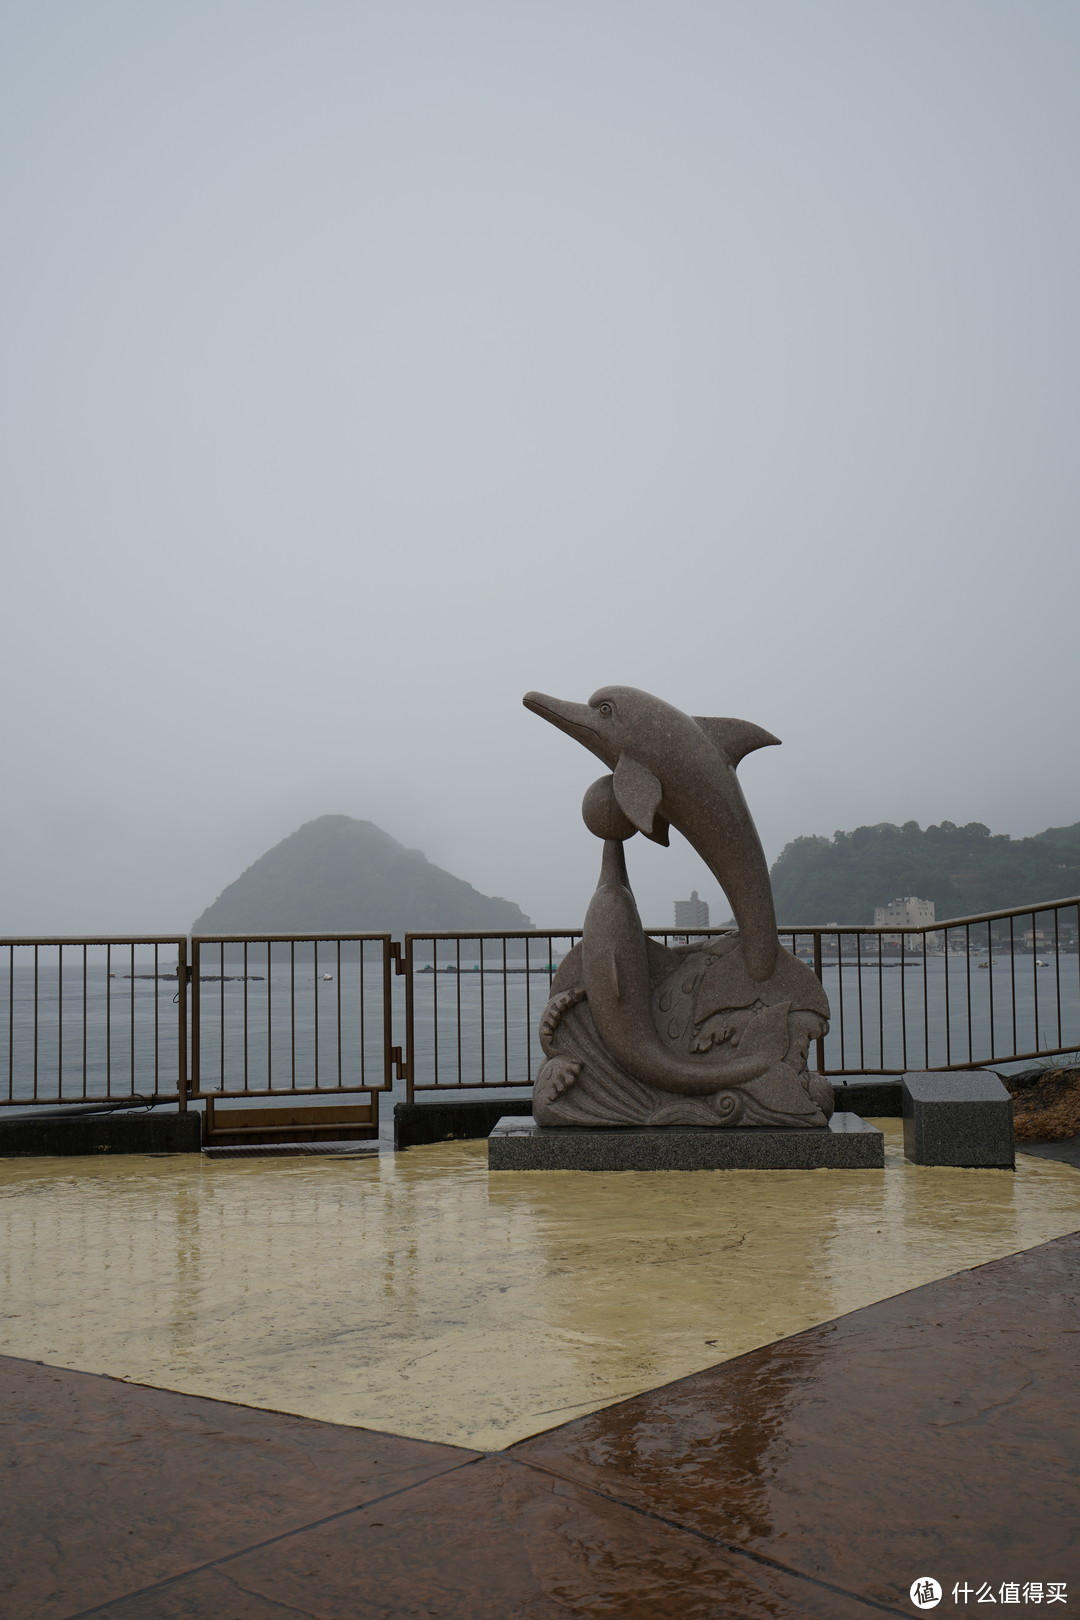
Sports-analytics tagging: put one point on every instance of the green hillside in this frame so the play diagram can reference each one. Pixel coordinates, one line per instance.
(963, 870)
(349, 876)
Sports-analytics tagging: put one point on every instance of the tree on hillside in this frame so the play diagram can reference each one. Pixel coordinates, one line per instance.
(963, 870)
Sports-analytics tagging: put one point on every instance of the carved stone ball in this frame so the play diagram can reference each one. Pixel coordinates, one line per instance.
(601, 813)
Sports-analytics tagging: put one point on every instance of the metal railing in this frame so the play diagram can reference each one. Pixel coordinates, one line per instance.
(996, 988)
(285, 1014)
(93, 1019)
(472, 1007)
(1000, 987)
(88, 1019)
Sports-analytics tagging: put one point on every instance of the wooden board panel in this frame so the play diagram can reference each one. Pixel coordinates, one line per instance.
(231, 1119)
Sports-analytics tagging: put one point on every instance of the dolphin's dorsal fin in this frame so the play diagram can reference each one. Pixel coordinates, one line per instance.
(734, 738)
(637, 793)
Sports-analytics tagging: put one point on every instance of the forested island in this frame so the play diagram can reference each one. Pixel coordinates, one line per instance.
(963, 870)
(349, 876)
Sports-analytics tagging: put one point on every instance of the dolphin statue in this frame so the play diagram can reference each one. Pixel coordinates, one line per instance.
(679, 769)
(615, 967)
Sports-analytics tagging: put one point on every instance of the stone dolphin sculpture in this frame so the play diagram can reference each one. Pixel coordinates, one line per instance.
(679, 769)
(618, 987)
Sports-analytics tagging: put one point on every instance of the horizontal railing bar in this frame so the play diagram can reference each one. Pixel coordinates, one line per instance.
(972, 1063)
(782, 928)
(1012, 1057)
(285, 1091)
(672, 928)
(94, 939)
(486, 1085)
(131, 1100)
(503, 933)
(261, 939)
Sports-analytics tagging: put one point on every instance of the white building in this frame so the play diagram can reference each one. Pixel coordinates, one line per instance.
(910, 912)
(692, 913)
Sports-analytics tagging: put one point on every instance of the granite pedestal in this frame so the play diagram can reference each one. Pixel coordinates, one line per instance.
(963, 1120)
(846, 1143)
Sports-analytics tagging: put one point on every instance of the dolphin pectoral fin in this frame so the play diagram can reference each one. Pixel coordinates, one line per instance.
(765, 1039)
(638, 793)
(659, 834)
(735, 738)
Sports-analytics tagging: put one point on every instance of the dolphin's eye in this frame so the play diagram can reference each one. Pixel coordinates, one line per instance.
(605, 710)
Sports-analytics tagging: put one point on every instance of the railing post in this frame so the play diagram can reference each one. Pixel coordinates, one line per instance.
(398, 1059)
(407, 1066)
(820, 1042)
(391, 955)
(182, 1081)
(193, 975)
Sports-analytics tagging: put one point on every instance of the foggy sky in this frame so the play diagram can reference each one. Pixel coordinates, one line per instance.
(366, 365)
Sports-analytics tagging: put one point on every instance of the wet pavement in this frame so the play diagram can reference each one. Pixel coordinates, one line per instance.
(1067, 1152)
(419, 1294)
(937, 1433)
(837, 1382)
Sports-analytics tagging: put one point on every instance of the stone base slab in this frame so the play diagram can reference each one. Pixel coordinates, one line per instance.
(846, 1143)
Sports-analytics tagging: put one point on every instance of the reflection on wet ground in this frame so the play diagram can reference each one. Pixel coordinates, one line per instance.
(417, 1294)
(936, 1432)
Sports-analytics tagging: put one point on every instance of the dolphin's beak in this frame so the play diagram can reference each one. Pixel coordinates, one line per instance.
(576, 719)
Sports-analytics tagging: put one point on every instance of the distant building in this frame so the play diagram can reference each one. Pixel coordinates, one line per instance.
(692, 913)
(910, 912)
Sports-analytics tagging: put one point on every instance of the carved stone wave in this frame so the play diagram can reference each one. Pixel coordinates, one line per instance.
(704, 1001)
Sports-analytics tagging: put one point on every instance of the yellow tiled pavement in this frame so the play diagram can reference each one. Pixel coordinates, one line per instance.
(419, 1294)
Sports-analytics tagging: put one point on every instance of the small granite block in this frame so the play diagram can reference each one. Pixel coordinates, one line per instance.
(846, 1143)
(963, 1120)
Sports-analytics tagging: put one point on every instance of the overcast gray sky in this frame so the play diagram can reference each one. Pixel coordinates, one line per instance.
(368, 364)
